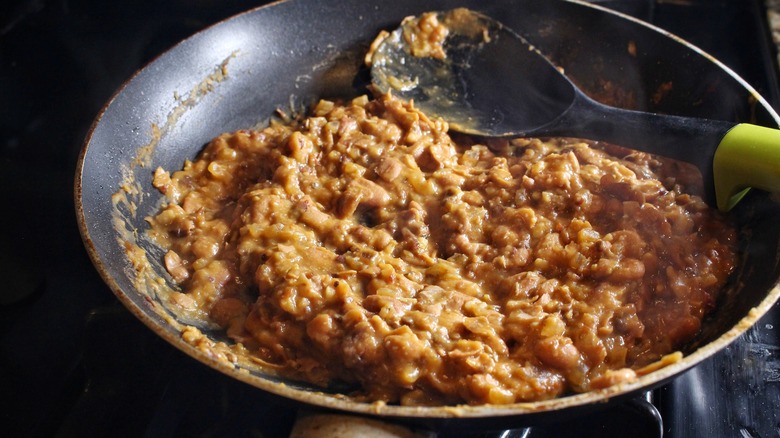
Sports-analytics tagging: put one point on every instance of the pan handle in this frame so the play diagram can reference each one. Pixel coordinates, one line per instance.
(747, 157)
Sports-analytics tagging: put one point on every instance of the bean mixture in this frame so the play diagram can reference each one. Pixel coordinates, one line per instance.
(365, 245)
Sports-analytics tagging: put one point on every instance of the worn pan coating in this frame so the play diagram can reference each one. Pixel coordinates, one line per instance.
(237, 73)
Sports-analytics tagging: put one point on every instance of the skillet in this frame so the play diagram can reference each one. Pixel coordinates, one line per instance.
(236, 74)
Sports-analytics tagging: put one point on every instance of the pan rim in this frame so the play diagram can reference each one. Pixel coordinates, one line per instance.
(329, 401)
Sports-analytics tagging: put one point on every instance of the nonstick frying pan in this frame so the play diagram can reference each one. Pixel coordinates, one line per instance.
(238, 73)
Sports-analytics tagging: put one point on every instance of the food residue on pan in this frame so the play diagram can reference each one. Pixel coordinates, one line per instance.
(425, 36)
(631, 48)
(662, 91)
(142, 269)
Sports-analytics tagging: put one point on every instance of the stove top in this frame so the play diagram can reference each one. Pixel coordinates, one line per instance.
(60, 373)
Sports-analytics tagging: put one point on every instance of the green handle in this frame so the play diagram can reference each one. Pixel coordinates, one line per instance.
(748, 156)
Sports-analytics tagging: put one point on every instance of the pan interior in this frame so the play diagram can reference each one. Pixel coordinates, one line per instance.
(278, 59)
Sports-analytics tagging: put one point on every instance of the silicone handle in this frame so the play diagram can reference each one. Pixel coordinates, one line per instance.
(748, 156)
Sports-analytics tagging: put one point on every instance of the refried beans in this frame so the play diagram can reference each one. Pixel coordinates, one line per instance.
(365, 245)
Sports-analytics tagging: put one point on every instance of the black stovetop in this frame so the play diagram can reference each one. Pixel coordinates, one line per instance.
(62, 371)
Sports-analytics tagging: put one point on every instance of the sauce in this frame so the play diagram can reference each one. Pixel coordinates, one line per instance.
(365, 244)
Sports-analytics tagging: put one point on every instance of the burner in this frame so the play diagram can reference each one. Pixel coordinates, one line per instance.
(735, 394)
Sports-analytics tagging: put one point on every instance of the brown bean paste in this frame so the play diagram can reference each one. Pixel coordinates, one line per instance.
(364, 244)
